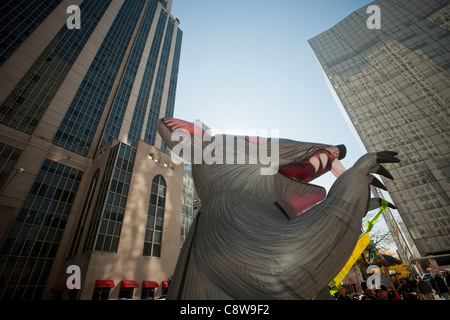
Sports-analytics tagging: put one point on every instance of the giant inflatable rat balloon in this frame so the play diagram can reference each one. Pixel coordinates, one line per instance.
(272, 235)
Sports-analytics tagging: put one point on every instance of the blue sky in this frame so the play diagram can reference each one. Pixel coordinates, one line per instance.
(248, 65)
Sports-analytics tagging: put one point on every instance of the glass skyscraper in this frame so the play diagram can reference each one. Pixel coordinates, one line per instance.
(393, 83)
(83, 179)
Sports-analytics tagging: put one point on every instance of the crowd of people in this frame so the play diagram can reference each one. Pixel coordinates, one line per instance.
(402, 289)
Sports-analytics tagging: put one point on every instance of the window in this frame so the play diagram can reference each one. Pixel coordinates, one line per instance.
(20, 100)
(100, 294)
(148, 293)
(81, 222)
(126, 294)
(155, 219)
(106, 224)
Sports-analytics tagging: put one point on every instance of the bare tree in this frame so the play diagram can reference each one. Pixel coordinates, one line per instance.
(382, 240)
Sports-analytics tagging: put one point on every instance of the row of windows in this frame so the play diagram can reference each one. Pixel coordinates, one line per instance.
(8, 158)
(18, 19)
(106, 224)
(127, 293)
(101, 199)
(99, 78)
(155, 105)
(174, 76)
(145, 89)
(155, 218)
(25, 106)
(124, 92)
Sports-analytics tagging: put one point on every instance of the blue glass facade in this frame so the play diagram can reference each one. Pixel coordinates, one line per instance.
(155, 106)
(25, 106)
(18, 19)
(30, 249)
(114, 122)
(174, 76)
(144, 92)
(393, 85)
(77, 130)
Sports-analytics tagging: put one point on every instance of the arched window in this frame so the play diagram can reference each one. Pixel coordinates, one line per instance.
(155, 219)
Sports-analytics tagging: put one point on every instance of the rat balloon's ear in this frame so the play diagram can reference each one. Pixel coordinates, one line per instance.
(180, 135)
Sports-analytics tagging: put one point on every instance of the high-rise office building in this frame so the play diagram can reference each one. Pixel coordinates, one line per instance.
(83, 179)
(389, 67)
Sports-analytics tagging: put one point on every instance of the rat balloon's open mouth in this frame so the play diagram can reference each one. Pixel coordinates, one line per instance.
(315, 165)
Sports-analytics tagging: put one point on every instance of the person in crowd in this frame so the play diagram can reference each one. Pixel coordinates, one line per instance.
(441, 287)
(342, 294)
(406, 291)
(368, 294)
(413, 285)
(384, 294)
(447, 278)
(433, 285)
(424, 289)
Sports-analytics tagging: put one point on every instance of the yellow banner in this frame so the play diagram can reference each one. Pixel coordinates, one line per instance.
(362, 243)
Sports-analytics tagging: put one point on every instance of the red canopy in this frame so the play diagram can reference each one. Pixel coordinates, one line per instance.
(129, 284)
(104, 284)
(164, 284)
(150, 284)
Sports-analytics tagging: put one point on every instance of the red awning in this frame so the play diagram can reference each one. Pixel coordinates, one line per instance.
(104, 284)
(129, 284)
(150, 284)
(59, 287)
(164, 284)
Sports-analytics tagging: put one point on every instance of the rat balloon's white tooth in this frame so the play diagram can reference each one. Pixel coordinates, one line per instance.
(315, 162)
(324, 159)
(337, 168)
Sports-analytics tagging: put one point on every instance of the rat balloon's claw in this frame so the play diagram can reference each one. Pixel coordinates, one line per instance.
(384, 172)
(377, 183)
(387, 156)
